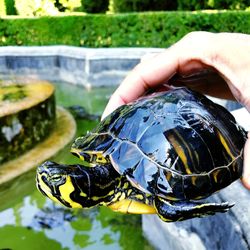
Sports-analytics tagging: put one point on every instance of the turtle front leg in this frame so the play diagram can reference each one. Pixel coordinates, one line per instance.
(170, 211)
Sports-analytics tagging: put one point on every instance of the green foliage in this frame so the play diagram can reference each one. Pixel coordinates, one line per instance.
(213, 4)
(192, 4)
(99, 6)
(158, 29)
(228, 4)
(10, 7)
(154, 5)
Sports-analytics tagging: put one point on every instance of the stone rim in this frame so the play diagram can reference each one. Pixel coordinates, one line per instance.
(62, 134)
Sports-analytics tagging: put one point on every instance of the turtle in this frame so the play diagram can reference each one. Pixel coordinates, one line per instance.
(161, 154)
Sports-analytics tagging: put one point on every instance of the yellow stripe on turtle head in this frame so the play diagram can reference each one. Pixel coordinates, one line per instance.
(65, 190)
(46, 189)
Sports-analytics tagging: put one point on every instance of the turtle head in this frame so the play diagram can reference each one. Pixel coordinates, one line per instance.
(61, 183)
(77, 186)
(92, 147)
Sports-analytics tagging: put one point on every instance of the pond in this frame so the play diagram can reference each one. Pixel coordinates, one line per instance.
(29, 220)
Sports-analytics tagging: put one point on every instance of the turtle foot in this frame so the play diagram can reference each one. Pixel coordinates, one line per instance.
(182, 210)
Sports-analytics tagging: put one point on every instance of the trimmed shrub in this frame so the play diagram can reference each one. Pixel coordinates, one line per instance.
(154, 5)
(10, 7)
(229, 4)
(192, 4)
(155, 29)
(143, 5)
(98, 6)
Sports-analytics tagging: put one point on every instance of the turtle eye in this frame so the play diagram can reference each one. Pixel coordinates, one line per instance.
(56, 178)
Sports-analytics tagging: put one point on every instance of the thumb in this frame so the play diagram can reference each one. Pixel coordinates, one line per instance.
(246, 165)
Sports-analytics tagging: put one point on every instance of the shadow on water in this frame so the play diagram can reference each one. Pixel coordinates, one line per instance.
(30, 221)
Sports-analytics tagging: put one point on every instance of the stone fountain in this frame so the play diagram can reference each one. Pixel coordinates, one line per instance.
(31, 127)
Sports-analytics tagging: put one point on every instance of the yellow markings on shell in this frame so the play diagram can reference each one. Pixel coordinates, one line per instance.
(215, 175)
(193, 180)
(95, 156)
(132, 207)
(46, 189)
(179, 150)
(65, 190)
(225, 145)
(168, 176)
(189, 152)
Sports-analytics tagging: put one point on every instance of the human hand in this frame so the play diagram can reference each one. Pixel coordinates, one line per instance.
(214, 64)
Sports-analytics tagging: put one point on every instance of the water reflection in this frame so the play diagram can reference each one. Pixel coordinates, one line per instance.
(26, 225)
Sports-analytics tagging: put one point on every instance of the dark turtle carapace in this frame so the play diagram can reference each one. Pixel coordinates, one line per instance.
(160, 154)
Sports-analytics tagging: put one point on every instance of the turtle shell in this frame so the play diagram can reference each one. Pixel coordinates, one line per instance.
(178, 144)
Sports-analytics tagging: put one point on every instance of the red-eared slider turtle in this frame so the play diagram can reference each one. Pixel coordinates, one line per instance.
(159, 154)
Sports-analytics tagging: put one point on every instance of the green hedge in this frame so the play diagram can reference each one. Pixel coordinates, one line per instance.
(153, 5)
(143, 5)
(10, 7)
(90, 6)
(122, 30)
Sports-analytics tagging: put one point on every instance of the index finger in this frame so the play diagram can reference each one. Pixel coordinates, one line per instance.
(146, 75)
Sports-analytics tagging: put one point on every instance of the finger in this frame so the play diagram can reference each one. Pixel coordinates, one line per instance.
(115, 101)
(246, 168)
(206, 81)
(148, 56)
(146, 75)
(153, 72)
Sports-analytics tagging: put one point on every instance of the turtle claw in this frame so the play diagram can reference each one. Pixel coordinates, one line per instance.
(222, 207)
(213, 208)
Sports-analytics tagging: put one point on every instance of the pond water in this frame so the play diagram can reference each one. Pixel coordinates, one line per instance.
(29, 220)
